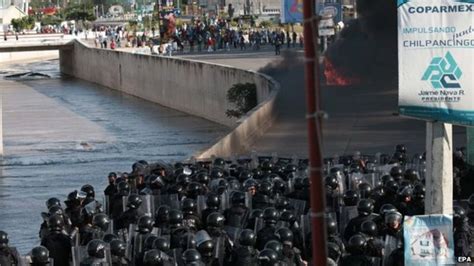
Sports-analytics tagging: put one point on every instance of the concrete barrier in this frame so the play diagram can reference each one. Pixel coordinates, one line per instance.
(193, 87)
(12, 57)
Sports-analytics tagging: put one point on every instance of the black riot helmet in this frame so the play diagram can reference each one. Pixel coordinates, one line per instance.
(244, 175)
(334, 251)
(219, 162)
(56, 210)
(411, 175)
(40, 255)
(123, 188)
(365, 189)
(203, 177)
(152, 258)
(215, 220)
(386, 178)
(102, 221)
(216, 173)
(459, 215)
(134, 201)
(162, 215)
(393, 219)
(288, 216)
(162, 244)
(145, 224)
(206, 248)
(247, 238)
(193, 190)
(238, 198)
(276, 246)
(365, 207)
(419, 192)
(270, 215)
(53, 202)
(387, 208)
(331, 226)
(109, 238)
(279, 186)
(55, 223)
(391, 187)
(356, 245)
(282, 204)
(188, 206)
(213, 201)
(369, 228)
(192, 257)
(268, 257)
(331, 182)
(89, 190)
(150, 242)
(187, 240)
(298, 183)
(118, 248)
(396, 171)
(351, 198)
(265, 188)
(3, 239)
(74, 198)
(96, 249)
(400, 148)
(176, 217)
(284, 235)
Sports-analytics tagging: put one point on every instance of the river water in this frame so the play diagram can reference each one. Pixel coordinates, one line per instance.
(61, 133)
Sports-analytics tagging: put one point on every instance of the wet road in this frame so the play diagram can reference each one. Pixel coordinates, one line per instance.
(62, 133)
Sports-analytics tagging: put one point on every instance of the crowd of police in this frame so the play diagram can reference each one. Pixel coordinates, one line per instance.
(247, 211)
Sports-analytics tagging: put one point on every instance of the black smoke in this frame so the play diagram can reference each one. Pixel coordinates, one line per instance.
(367, 46)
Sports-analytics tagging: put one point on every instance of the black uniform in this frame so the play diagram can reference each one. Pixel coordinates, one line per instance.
(353, 227)
(59, 246)
(356, 260)
(8, 256)
(463, 240)
(265, 234)
(244, 256)
(129, 217)
(235, 216)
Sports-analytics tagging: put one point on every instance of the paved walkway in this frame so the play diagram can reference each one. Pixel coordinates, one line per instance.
(360, 118)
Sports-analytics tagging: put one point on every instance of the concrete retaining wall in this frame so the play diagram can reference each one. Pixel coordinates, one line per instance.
(193, 87)
(20, 56)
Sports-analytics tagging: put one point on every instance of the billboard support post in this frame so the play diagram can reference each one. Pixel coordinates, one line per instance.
(439, 168)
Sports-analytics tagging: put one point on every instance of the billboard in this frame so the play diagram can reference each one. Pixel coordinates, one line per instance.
(428, 240)
(435, 60)
(330, 10)
(291, 11)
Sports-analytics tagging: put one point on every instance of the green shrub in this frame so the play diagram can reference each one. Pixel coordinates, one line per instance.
(244, 97)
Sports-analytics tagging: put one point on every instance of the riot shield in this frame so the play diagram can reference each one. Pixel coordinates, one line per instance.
(145, 207)
(233, 233)
(177, 255)
(258, 224)
(390, 244)
(219, 250)
(346, 214)
(371, 179)
(201, 204)
(107, 204)
(171, 200)
(79, 255)
(225, 200)
(248, 200)
(305, 222)
(298, 205)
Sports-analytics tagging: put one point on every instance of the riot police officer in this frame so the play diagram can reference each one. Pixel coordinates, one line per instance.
(116, 203)
(162, 219)
(236, 214)
(8, 255)
(364, 209)
(39, 256)
(96, 251)
(245, 253)
(356, 247)
(264, 196)
(190, 217)
(291, 254)
(267, 233)
(213, 202)
(74, 207)
(132, 214)
(57, 242)
(463, 238)
(118, 250)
